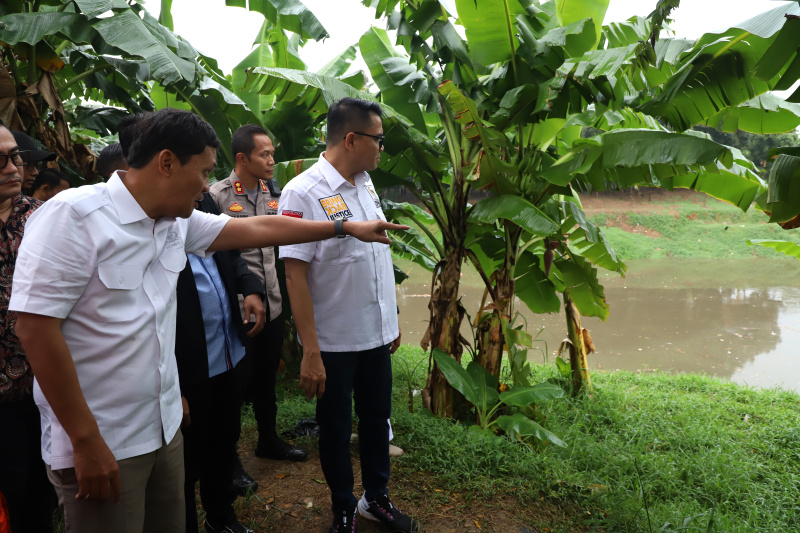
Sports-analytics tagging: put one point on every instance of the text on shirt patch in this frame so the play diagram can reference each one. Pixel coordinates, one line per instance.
(373, 194)
(294, 214)
(235, 207)
(173, 240)
(335, 207)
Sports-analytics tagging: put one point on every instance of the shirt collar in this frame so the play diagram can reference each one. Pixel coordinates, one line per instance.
(128, 209)
(332, 176)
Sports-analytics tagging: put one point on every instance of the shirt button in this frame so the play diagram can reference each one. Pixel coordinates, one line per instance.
(121, 281)
(155, 297)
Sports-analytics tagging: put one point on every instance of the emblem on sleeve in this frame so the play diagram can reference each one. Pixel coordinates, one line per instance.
(335, 207)
(273, 204)
(235, 207)
(237, 186)
(293, 214)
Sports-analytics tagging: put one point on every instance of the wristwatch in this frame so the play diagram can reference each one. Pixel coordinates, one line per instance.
(338, 227)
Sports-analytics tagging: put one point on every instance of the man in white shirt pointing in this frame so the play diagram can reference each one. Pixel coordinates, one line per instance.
(95, 294)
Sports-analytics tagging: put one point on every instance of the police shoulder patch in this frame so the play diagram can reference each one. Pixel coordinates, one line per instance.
(237, 186)
(235, 207)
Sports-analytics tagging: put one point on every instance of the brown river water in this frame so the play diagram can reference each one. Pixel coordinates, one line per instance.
(735, 319)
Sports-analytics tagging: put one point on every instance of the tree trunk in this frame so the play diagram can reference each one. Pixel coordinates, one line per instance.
(443, 331)
(578, 361)
(491, 338)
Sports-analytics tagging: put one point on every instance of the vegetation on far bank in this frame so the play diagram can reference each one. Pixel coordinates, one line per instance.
(646, 452)
(683, 228)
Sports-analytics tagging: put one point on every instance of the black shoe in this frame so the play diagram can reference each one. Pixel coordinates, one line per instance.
(381, 509)
(280, 450)
(232, 526)
(243, 484)
(344, 521)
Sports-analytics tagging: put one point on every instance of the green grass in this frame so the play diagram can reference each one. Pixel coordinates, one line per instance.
(689, 229)
(643, 450)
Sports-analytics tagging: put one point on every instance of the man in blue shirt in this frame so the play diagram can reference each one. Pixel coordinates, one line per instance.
(210, 341)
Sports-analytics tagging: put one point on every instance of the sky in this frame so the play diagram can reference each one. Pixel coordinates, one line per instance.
(227, 33)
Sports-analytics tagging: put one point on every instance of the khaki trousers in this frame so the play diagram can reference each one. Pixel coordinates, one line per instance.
(151, 501)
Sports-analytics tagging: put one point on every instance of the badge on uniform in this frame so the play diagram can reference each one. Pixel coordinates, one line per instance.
(236, 207)
(293, 214)
(263, 186)
(373, 194)
(273, 204)
(335, 207)
(237, 186)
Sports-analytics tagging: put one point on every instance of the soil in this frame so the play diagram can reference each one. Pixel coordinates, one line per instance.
(638, 201)
(293, 498)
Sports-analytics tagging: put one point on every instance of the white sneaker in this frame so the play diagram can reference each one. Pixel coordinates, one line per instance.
(395, 451)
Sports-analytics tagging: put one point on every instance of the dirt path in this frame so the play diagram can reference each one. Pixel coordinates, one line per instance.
(293, 498)
(642, 201)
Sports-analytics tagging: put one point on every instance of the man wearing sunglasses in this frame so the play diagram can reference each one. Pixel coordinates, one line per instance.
(344, 306)
(33, 158)
(23, 477)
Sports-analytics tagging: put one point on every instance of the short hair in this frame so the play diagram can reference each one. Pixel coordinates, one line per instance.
(109, 160)
(181, 132)
(350, 114)
(127, 131)
(242, 140)
(48, 176)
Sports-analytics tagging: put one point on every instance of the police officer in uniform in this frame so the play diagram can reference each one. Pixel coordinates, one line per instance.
(250, 191)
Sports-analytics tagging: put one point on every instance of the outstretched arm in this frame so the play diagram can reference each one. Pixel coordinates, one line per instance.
(262, 231)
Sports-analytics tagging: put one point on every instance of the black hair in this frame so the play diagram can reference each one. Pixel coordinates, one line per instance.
(350, 114)
(127, 132)
(242, 140)
(48, 176)
(181, 132)
(109, 160)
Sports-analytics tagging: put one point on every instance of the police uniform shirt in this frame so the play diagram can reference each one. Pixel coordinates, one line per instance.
(233, 200)
(351, 282)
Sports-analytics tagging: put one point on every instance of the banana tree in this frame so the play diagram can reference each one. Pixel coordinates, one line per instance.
(526, 80)
(56, 55)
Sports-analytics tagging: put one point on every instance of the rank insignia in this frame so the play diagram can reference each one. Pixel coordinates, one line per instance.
(273, 204)
(236, 207)
(263, 185)
(237, 186)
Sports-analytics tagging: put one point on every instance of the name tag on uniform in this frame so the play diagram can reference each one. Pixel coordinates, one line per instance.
(335, 207)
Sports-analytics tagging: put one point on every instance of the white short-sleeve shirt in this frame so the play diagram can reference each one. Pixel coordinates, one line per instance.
(351, 282)
(92, 257)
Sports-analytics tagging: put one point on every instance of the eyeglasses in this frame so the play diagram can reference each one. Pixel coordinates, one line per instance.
(17, 159)
(26, 160)
(380, 138)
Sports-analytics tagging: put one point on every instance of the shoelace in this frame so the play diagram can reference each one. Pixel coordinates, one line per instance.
(344, 524)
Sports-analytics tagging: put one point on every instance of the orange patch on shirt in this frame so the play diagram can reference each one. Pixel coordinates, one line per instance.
(273, 204)
(236, 207)
(263, 185)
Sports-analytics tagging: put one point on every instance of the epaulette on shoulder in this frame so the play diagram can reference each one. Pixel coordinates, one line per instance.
(84, 206)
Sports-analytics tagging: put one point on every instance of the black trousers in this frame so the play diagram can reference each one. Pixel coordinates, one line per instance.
(210, 447)
(258, 374)
(23, 477)
(365, 377)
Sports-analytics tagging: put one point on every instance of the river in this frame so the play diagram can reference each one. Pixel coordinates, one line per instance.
(735, 319)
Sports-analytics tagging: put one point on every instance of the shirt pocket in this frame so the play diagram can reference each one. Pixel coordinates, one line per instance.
(338, 251)
(123, 283)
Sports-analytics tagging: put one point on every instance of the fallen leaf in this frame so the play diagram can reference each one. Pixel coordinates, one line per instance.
(281, 476)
